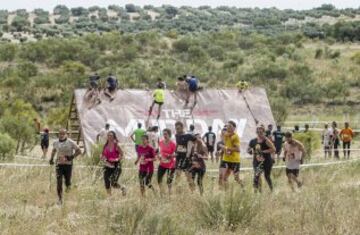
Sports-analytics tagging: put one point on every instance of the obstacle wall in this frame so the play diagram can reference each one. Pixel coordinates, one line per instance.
(214, 107)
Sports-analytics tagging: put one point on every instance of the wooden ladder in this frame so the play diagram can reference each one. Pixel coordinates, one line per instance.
(73, 124)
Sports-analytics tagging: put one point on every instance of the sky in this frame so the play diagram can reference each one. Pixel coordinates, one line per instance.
(281, 4)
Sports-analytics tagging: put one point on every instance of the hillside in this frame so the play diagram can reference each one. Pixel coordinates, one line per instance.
(307, 61)
(20, 25)
(308, 68)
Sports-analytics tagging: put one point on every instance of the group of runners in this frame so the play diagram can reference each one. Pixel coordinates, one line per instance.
(185, 154)
(332, 138)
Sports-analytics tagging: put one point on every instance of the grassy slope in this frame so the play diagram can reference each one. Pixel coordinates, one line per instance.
(325, 69)
(327, 204)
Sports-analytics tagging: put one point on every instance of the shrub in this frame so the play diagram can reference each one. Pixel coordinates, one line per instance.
(269, 70)
(7, 147)
(129, 53)
(216, 52)
(4, 16)
(336, 88)
(310, 140)
(318, 53)
(231, 211)
(95, 154)
(63, 19)
(301, 91)
(356, 58)
(61, 10)
(18, 124)
(57, 117)
(27, 69)
(196, 54)
(335, 54)
(7, 52)
(182, 45)
(130, 8)
(20, 23)
(170, 10)
(79, 11)
(280, 108)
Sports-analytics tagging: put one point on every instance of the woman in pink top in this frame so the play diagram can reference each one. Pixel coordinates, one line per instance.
(111, 156)
(167, 160)
(146, 158)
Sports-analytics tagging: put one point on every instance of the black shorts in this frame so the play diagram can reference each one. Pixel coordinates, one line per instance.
(182, 162)
(111, 175)
(193, 89)
(278, 148)
(111, 88)
(234, 166)
(346, 145)
(63, 171)
(145, 178)
(44, 145)
(292, 171)
(158, 103)
(170, 174)
(210, 148)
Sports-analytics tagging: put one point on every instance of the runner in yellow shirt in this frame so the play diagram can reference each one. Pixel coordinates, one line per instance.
(230, 162)
(159, 98)
(346, 136)
(242, 85)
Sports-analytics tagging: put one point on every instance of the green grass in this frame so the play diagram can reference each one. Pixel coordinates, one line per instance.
(327, 204)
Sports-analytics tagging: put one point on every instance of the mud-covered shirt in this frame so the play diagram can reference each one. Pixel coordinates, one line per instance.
(63, 149)
(210, 139)
(182, 141)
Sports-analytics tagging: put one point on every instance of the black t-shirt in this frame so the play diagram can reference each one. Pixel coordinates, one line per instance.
(182, 141)
(268, 133)
(210, 139)
(45, 139)
(112, 81)
(278, 137)
(94, 78)
(258, 148)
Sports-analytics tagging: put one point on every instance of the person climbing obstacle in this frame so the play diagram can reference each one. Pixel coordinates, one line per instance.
(242, 86)
(193, 88)
(159, 98)
(188, 86)
(111, 87)
(93, 92)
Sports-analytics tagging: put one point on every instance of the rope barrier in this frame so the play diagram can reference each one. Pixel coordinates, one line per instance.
(208, 170)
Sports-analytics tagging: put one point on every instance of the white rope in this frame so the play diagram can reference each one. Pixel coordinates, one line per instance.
(208, 170)
(316, 122)
(302, 166)
(311, 129)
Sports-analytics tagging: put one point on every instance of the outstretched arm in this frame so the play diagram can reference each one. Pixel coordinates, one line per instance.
(132, 137)
(271, 146)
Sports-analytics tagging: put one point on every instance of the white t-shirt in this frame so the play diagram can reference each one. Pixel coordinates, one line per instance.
(65, 148)
(103, 135)
(293, 156)
(327, 136)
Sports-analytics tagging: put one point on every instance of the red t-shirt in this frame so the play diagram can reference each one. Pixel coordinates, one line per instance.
(146, 153)
(167, 154)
